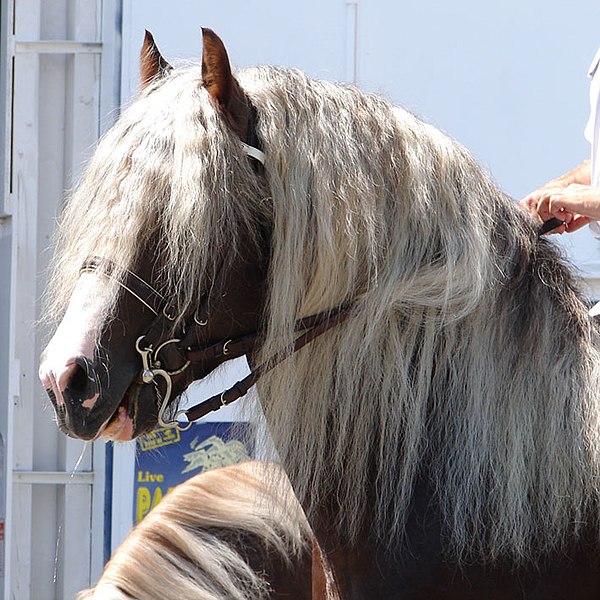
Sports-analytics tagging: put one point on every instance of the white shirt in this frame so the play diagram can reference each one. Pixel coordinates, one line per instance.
(592, 134)
(592, 130)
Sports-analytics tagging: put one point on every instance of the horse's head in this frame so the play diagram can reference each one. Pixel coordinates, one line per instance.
(178, 170)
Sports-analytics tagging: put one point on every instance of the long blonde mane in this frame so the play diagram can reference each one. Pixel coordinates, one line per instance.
(468, 359)
(192, 545)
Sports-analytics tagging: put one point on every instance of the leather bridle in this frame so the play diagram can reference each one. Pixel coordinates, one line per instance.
(153, 341)
(150, 344)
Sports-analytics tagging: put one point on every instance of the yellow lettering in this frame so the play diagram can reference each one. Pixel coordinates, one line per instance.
(147, 477)
(142, 505)
(158, 496)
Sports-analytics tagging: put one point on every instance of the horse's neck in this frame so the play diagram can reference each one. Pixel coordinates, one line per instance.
(421, 568)
(367, 567)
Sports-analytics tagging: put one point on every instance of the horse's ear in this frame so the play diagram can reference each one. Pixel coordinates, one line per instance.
(221, 85)
(152, 64)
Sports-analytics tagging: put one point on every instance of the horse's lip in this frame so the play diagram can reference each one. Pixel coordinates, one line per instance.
(124, 413)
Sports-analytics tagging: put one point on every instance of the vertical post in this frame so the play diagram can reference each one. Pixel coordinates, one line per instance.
(123, 472)
(23, 294)
(81, 123)
(6, 36)
(110, 101)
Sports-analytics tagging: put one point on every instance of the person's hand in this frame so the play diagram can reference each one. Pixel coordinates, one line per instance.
(538, 197)
(576, 205)
(567, 198)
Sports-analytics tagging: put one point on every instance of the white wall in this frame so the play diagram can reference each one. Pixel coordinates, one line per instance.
(508, 79)
(309, 35)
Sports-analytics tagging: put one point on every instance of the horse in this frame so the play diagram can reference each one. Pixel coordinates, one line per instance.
(423, 357)
(222, 534)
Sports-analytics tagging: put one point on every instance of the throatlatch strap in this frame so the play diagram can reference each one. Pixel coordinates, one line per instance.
(318, 324)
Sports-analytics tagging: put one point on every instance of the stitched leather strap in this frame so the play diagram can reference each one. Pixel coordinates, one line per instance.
(318, 324)
(312, 326)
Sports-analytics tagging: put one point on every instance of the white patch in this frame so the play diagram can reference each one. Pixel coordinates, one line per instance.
(75, 336)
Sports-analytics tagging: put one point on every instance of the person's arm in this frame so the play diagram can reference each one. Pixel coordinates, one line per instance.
(581, 174)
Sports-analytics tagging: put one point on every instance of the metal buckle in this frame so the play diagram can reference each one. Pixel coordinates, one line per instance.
(151, 369)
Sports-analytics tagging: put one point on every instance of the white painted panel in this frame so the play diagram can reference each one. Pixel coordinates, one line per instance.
(54, 519)
(23, 293)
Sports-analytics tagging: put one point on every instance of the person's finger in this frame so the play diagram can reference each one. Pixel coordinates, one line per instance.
(563, 207)
(529, 204)
(543, 208)
(577, 222)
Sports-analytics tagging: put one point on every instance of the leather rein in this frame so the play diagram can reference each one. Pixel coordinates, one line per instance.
(309, 329)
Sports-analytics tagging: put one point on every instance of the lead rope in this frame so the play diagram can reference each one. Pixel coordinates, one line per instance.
(549, 225)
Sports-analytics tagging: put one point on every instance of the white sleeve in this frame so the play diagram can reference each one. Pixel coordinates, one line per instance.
(592, 129)
(595, 229)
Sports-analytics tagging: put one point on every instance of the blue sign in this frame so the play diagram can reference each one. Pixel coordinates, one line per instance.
(166, 457)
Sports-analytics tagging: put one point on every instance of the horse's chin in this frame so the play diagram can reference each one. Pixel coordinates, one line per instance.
(135, 415)
(85, 424)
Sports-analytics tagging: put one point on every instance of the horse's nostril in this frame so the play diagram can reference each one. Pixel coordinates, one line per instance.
(82, 382)
(78, 382)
